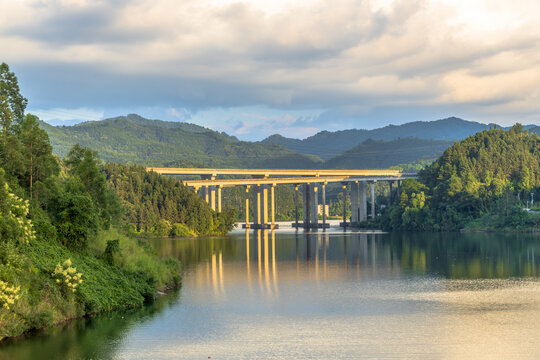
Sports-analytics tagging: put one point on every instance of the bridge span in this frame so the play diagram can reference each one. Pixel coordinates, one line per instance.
(261, 180)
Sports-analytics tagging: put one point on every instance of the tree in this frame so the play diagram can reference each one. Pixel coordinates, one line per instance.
(10, 92)
(84, 164)
(37, 151)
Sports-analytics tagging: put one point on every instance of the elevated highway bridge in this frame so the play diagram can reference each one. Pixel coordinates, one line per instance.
(262, 180)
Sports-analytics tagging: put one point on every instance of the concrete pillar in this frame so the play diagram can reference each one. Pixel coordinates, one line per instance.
(258, 205)
(206, 194)
(247, 206)
(314, 205)
(306, 205)
(344, 188)
(373, 200)
(390, 197)
(296, 204)
(324, 205)
(264, 204)
(362, 201)
(213, 197)
(219, 199)
(355, 202)
(273, 205)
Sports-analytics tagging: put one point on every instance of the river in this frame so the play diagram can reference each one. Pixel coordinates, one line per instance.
(324, 295)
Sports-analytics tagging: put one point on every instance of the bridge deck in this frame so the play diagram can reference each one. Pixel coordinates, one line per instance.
(291, 180)
(276, 172)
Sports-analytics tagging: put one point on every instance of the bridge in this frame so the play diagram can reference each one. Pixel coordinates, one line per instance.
(262, 180)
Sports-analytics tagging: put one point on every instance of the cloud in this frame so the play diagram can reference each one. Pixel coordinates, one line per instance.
(355, 58)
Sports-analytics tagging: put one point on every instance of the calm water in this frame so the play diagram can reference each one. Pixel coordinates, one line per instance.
(264, 295)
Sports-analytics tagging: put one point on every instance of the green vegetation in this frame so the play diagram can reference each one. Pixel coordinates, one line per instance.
(326, 144)
(163, 205)
(61, 255)
(132, 139)
(482, 182)
(379, 154)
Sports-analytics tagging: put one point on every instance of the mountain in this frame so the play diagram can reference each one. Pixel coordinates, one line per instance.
(379, 154)
(327, 144)
(535, 129)
(133, 139)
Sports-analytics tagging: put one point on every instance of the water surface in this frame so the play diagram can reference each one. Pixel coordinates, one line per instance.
(282, 295)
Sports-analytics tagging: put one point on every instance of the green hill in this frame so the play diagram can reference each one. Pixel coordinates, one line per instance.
(379, 154)
(133, 139)
(326, 144)
(482, 182)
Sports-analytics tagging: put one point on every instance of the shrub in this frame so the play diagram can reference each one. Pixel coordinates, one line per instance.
(181, 230)
(65, 274)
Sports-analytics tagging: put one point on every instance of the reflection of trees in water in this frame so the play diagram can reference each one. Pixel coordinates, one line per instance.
(193, 251)
(92, 338)
(451, 255)
(472, 255)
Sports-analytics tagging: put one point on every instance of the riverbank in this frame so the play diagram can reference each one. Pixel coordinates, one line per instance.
(517, 221)
(127, 276)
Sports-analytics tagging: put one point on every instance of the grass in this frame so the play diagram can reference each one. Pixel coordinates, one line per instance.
(129, 281)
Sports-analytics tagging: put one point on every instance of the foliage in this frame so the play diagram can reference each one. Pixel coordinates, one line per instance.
(50, 212)
(379, 154)
(181, 230)
(489, 174)
(8, 294)
(67, 275)
(162, 228)
(132, 139)
(112, 251)
(154, 202)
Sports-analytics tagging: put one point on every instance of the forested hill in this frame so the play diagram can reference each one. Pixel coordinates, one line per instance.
(133, 139)
(326, 144)
(378, 154)
(488, 176)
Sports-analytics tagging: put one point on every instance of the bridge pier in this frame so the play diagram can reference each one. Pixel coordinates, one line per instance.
(310, 207)
(260, 208)
(363, 202)
(358, 203)
(373, 199)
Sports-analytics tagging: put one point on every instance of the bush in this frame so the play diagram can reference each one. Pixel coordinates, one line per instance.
(181, 230)
(162, 228)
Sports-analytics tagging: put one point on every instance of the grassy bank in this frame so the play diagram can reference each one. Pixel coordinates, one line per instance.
(516, 220)
(128, 278)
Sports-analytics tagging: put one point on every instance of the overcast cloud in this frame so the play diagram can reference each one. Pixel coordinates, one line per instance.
(253, 68)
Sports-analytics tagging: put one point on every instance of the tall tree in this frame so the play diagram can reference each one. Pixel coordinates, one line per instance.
(9, 88)
(37, 151)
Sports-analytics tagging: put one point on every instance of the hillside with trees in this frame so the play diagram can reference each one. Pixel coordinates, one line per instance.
(327, 144)
(63, 249)
(135, 140)
(485, 179)
(161, 205)
(379, 154)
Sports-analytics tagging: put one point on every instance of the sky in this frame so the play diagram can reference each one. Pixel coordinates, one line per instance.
(256, 68)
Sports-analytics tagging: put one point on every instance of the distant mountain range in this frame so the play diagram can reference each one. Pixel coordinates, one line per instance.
(134, 139)
(327, 144)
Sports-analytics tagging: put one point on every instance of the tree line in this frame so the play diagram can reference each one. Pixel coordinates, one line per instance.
(490, 175)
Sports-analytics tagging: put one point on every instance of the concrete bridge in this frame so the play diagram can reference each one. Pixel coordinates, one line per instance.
(262, 180)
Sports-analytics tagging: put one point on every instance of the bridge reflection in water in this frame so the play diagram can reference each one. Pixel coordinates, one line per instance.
(266, 262)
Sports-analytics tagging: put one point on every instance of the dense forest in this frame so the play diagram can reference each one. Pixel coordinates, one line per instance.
(164, 205)
(482, 182)
(64, 248)
(133, 139)
(373, 154)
